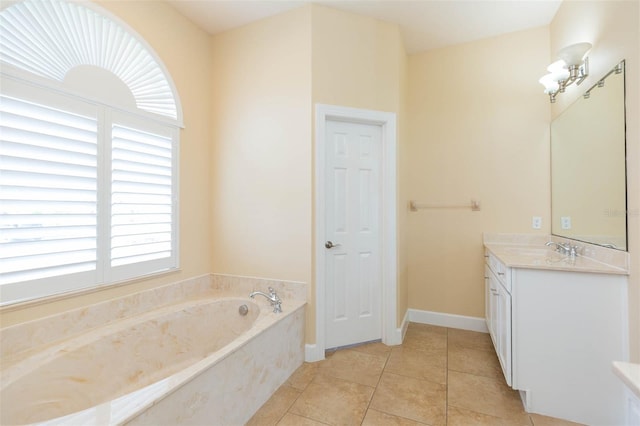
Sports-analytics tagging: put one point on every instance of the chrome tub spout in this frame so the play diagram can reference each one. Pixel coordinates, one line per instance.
(276, 303)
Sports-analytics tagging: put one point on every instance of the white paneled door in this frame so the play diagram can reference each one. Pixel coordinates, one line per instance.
(353, 272)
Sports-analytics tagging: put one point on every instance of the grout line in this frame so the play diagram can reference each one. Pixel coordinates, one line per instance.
(375, 388)
(383, 371)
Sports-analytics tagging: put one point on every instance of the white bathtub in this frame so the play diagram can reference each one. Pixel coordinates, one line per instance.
(195, 362)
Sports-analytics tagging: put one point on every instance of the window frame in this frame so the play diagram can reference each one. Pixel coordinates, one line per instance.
(35, 90)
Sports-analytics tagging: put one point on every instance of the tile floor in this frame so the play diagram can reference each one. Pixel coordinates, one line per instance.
(438, 376)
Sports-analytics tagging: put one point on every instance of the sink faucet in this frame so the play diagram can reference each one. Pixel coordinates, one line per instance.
(565, 248)
(560, 247)
(276, 303)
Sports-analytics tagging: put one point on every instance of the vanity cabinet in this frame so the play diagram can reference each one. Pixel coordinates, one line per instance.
(556, 333)
(498, 311)
(633, 409)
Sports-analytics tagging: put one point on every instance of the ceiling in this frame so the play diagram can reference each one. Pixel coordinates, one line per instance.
(425, 24)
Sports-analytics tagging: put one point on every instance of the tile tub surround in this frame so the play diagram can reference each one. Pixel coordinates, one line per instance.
(231, 391)
(130, 310)
(512, 249)
(19, 340)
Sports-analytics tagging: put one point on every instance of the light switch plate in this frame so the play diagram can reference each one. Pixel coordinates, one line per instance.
(565, 222)
(536, 223)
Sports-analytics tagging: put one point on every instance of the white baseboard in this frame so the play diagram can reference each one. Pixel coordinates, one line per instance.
(404, 326)
(448, 320)
(312, 353)
(397, 336)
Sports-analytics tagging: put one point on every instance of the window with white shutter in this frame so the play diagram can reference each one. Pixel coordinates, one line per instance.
(142, 193)
(88, 188)
(48, 191)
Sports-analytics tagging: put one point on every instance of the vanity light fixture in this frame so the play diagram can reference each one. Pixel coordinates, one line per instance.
(572, 67)
(617, 70)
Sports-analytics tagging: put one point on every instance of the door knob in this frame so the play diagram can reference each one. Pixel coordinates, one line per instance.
(329, 245)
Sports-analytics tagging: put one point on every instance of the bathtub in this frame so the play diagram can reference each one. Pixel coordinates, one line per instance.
(195, 362)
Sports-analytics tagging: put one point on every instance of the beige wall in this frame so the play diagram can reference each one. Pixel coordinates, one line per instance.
(361, 62)
(613, 29)
(357, 61)
(267, 77)
(261, 160)
(261, 157)
(404, 154)
(478, 128)
(185, 52)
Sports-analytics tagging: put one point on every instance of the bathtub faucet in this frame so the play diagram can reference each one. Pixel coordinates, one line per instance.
(273, 298)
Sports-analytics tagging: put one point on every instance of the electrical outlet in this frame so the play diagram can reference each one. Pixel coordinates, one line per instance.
(536, 223)
(565, 222)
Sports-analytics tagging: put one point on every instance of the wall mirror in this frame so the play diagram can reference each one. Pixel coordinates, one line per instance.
(588, 166)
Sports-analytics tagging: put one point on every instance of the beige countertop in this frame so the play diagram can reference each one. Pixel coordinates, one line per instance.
(630, 375)
(541, 257)
(524, 251)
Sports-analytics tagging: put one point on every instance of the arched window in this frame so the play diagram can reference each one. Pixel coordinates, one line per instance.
(89, 128)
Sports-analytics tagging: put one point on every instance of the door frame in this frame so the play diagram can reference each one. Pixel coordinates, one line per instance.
(388, 225)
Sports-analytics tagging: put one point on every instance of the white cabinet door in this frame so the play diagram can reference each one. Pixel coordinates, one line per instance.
(488, 301)
(633, 409)
(498, 317)
(493, 309)
(504, 331)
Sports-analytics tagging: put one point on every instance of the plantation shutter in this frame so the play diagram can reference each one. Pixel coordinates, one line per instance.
(48, 191)
(142, 199)
(89, 131)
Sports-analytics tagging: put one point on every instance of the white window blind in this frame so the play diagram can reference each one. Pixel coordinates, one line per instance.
(50, 37)
(48, 191)
(89, 130)
(87, 194)
(141, 203)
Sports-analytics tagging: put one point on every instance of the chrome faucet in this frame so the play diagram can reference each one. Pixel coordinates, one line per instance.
(560, 247)
(276, 303)
(565, 248)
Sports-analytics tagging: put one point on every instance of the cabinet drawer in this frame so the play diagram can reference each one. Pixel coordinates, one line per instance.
(502, 272)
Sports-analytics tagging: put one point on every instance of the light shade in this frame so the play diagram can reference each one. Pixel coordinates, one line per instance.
(559, 70)
(572, 55)
(550, 84)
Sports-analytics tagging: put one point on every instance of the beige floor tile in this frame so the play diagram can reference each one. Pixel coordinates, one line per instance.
(376, 348)
(333, 401)
(378, 418)
(470, 339)
(295, 420)
(473, 361)
(276, 407)
(436, 376)
(354, 366)
(422, 328)
(428, 364)
(540, 420)
(461, 417)
(425, 337)
(301, 378)
(485, 395)
(412, 398)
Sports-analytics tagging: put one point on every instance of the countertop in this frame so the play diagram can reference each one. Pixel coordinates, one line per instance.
(530, 252)
(541, 257)
(630, 375)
